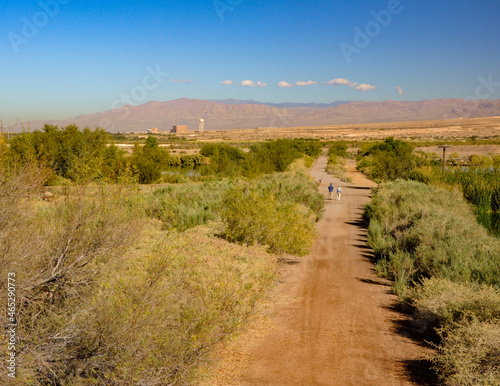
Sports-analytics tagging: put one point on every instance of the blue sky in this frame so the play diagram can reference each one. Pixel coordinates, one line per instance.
(62, 58)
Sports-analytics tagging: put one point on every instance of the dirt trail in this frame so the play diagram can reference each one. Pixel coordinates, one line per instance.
(334, 323)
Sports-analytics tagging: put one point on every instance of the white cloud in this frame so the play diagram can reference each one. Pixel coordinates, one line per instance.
(339, 82)
(299, 83)
(245, 83)
(400, 90)
(355, 85)
(284, 84)
(305, 83)
(364, 87)
(251, 83)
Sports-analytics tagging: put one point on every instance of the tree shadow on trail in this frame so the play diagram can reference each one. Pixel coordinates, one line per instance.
(359, 187)
(421, 330)
(420, 372)
(360, 223)
(405, 321)
(370, 281)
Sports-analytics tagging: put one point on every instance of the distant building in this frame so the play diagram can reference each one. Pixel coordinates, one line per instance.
(153, 130)
(179, 129)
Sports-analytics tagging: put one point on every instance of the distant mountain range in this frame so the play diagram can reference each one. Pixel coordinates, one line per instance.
(277, 105)
(238, 114)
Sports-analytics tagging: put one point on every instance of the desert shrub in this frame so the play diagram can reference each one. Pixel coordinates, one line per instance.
(470, 354)
(446, 266)
(273, 156)
(231, 152)
(336, 167)
(191, 160)
(452, 303)
(57, 252)
(363, 164)
(301, 164)
(436, 228)
(308, 161)
(187, 205)
(176, 178)
(293, 187)
(480, 160)
(307, 146)
(91, 309)
(224, 160)
(160, 309)
(255, 216)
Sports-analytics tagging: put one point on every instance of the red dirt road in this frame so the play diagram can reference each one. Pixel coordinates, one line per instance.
(334, 324)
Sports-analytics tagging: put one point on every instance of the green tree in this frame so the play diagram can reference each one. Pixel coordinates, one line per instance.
(224, 159)
(149, 161)
(391, 159)
(69, 152)
(338, 149)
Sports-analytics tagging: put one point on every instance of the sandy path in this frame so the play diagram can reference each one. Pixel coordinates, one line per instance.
(333, 324)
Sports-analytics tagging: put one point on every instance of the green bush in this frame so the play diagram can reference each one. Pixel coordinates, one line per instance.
(338, 149)
(262, 158)
(188, 205)
(389, 160)
(446, 266)
(437, 228)
(185, 206)
(149, 161)
(81, 156)
(294, 187)
(254, 216)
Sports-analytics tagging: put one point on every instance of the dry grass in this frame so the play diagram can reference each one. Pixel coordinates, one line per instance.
(107, 296)
(163, 307)
(436, 129)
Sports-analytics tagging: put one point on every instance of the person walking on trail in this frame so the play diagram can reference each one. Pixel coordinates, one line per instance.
(330, 191)
(339, 192)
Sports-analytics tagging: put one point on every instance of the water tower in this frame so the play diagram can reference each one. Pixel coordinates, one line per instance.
(202, 124)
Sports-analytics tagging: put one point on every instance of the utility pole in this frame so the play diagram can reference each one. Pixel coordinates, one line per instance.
(444, 147)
